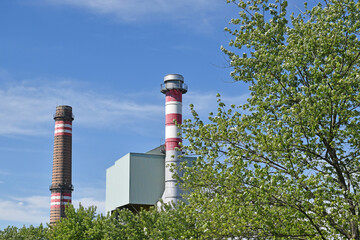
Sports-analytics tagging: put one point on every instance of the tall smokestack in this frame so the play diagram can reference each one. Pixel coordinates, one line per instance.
(173, 88)
(61, 185)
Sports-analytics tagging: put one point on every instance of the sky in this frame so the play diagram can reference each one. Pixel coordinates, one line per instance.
(106, 59)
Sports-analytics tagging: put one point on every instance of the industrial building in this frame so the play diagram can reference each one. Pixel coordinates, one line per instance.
(137, 180)
(140, 180)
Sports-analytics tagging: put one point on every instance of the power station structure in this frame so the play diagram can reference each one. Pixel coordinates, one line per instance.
(173, 88)
(61, 184)
(140, 180)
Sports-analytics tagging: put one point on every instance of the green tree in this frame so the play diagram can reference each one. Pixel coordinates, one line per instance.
(286, 163)
(83, 223)
(78, 224)
(24, 233)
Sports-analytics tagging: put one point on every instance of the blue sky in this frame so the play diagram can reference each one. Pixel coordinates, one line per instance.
(106, 59)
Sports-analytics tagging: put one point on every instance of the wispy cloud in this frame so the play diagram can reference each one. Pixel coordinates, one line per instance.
(36, 209)
(26, 107)
(31, 210)
(135, 10)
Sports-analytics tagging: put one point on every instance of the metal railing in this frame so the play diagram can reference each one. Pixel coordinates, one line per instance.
(164, 87)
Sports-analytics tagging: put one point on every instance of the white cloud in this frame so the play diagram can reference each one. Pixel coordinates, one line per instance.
(135, 10)
(32, 210)
(36, 209)
(27, 107)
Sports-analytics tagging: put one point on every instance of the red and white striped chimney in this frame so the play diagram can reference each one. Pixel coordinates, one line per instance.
(61, 185)
(173, 88)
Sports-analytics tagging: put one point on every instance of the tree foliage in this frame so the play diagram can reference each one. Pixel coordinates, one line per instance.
(24, 233)
(286, 163)
(84, 223)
